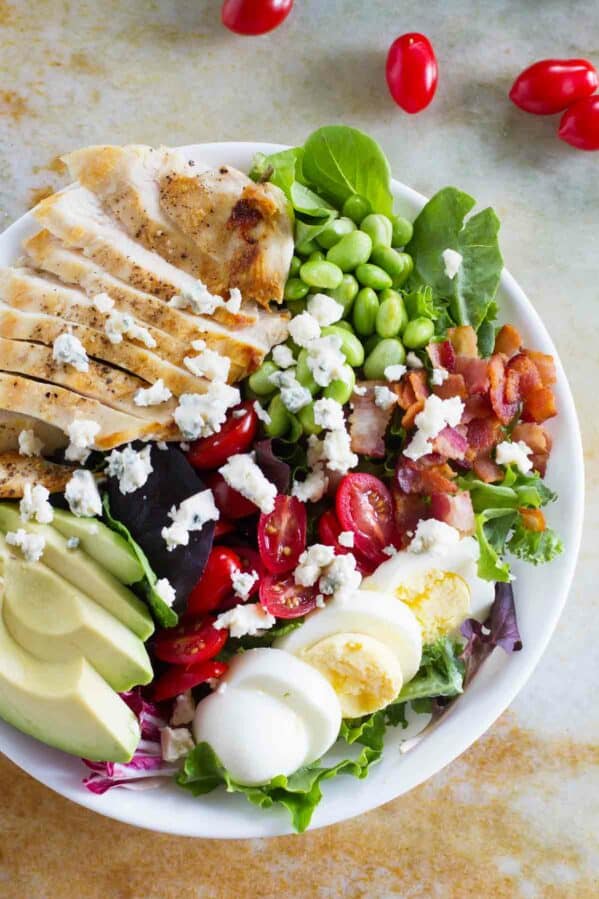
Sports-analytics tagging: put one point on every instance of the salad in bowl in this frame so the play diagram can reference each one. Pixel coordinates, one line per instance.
(266, 460)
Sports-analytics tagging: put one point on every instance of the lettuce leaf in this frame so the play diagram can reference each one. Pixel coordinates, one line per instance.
(492, 528)
(284, 169)
(499, 629)
(516, 490)
(441, 673)
(536, 547)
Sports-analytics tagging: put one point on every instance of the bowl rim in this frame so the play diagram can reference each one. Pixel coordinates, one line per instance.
(213, 819)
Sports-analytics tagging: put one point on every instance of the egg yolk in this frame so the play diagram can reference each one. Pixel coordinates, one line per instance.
(440, 600)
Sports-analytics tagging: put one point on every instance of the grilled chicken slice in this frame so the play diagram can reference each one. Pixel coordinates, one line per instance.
(77, 218)
(111, 386)
(16, 471)
(12, 423)
(215, 224)
(41, 328)
(59, 406)
(246, 347)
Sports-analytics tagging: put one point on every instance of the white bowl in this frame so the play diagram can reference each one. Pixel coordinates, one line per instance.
(540, 596)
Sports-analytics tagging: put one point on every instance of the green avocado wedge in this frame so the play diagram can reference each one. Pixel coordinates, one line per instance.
(75, 566)
(107, 547)
(56, 622)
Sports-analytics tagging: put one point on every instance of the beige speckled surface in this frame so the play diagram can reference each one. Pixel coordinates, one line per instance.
(517, 815)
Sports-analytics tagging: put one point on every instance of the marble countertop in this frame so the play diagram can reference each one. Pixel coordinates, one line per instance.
(516, 815)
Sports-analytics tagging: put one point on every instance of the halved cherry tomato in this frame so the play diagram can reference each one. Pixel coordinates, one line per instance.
(215, 584)
(236, 436)
(282, 534)
(364, 506)
(551, 85)
(283, 598)
(190, 643)
(228, 501)
(328, 533)
(579, 125)
(250, 561)
(412, 71)
(251, 17)
(178, 679)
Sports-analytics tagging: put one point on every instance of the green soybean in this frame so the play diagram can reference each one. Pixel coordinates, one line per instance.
(365, 312)
(398, 265)
(351, 347)
(387, 352)
(352, 250)
(392, 316)
(321, 273)
(356, 208)
(303, 373)
(418, 333)
(341, 389)
(307, 247)
(346, 293)
(295, 429)
(379, 229)
(346, 325)
(294, 266)
(333, 233)
(371, 343)
(279, 418)
(402, 231)
(259, 381)
(317, 256)
(295, 289)
(306, 419)
(373, 276)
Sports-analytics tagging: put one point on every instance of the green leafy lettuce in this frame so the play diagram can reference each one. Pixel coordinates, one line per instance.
(441, 673)
(237, 645)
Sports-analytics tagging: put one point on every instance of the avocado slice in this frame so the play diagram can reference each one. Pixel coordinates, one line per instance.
(107, 547)
(75, 566)
(55, 622)
(67, 705)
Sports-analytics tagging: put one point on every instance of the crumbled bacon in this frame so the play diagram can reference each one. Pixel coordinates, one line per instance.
(533, 519)
(408, 510)
(545, 366)
(451, 443)
(529, 378)
(419, 383)
(508, 341)
(368, 423)
(487, 470)
(501, 391)
(482, 435)
(539, 405)
(430, 474)
(453, 385)
(463, 340)
(410, 414)
(477, 406)
(475, 373)
(454, 510)
(442, 354)
(533, 435)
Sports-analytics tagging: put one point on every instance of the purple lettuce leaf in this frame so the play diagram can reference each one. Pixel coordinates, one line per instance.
(273, 468)
(499, 629)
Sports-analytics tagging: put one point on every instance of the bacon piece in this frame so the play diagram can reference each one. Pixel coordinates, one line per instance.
(533, 519)
(475, 373)
(539, 405)
(368, 423)
(508, 341)
(477, 406)
(408, 510)
(454, 510)
(539, 462)
(463, 340)
(419, 383)
(505, 408)
(431, 474)
(535, 436)
(482, 435)
(529, 378)
(451, 443)
(487, 470)
(453, 385)
(545, 366)
(407, 421)
(442, 354)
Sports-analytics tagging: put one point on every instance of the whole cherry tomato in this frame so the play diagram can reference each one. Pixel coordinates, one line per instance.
(236, 436)
(282, 534)
(254, 16)
(179, 678)
(579, 125)
(190, 643)
(228, 501)
(412, 71)
(550, 85)
(216, 582)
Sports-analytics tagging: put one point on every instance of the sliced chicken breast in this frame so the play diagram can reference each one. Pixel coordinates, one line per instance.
(12, 423)
(16, 471)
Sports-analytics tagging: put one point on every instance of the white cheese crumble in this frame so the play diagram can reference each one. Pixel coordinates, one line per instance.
(433, 536)
(395, 372)
(199, 300)
(439, 376)
(328, 413)
(130, 467)
(184, 709)
(152, 396)
(82, 494)
(209, 364)
(121, 324)
(175, 743)
(191, 515)
(325, 360)
(384, 398)
(346, 538)
(452, 261)
(341, 577)
(260, 412)
(242, 474)
(413, 360)
(324, 309)
(245, 620)
(82, 433)
(508, 453)
(233, 304)
(29, 444)
(360, 390)
(165, 591)
(282, 356)
(202, 414)
(31, 545)
(162, 445)
(73, 543)
(436, 415)
(390, 550)
(68, 350)
(103, 303)
(242, 582)
(294, 395)
(312, 488)
(303, 329)
(35, 504)
(336, 448)
(311, 564)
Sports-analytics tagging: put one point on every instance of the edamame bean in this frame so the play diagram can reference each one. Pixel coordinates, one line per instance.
(279, 418)
(357, 208)
(294, 266)
(387, 352)
(379, 229)
(346, 325)
(342, 389)
(295, 289)
(364, 313)
(392, 316)
(352, 250)
(346, 293)
(373, 276)
(335, 231)
(305, 248)
(371, 343)
(418, 333)
(259, 381)
(398, 265)
(321, 273)
(295, 429)
(316, 256)
(303, 373)
(351, 347)
(306, 419)
(402, 231)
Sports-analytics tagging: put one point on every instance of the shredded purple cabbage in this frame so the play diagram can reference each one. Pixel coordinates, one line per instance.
(499, 629)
